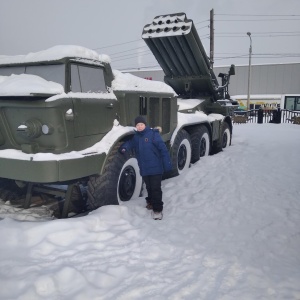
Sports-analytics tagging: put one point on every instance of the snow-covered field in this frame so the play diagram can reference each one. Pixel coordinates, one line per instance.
(231, 230)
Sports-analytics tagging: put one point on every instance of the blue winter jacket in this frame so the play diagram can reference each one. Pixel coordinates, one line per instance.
(150, 150)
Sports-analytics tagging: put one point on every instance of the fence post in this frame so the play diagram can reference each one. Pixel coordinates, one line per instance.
(278, 116)
(260, 116)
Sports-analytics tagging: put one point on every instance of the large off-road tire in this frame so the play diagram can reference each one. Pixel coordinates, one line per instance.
(181, 153)
(201, 144)
(120, 181)
(77, 204)
(224, 140)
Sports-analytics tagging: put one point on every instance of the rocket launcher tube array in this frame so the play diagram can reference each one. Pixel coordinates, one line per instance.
(167, 29)
(174, 41)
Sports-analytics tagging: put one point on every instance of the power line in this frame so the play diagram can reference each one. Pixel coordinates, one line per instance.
(207, 20)
(202, 27)
(201, 22)
(257, 15)
(265, 55)
(219, 57)
(263, 32)
(266, 20)
(133, 56)
(132, 49)
(144, 67)
(114, 45)
(137, 52)
(257, 36)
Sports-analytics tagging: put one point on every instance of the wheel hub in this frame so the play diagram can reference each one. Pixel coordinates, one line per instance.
(182, 155)
(225, 138)
(202, 147)
(127, 183)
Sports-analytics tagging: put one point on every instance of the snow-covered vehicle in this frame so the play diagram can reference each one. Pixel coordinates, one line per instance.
(64, 114)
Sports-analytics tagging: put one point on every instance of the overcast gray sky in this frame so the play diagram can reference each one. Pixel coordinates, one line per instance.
(114, 27)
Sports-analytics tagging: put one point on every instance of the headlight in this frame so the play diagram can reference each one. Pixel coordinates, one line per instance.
(33, 128)
(47, 129)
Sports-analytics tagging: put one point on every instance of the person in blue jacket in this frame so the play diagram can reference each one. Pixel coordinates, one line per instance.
(153, 160)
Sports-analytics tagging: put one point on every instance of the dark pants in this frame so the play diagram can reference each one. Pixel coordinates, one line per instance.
(153, 186)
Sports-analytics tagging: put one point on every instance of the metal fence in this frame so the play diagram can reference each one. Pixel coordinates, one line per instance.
(268, 116)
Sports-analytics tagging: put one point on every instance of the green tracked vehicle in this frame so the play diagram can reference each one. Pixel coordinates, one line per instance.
(64, 113)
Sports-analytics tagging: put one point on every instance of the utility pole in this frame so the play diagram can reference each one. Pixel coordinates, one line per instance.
(249, 71)
(212, 39)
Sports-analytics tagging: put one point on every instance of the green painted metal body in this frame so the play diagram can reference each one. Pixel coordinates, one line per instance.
(52, 170)
(37, 124)
(33, 126)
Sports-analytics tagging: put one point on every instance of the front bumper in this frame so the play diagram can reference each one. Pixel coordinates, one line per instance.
(51, 170)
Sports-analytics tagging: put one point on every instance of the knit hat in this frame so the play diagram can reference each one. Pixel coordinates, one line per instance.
(139, 119)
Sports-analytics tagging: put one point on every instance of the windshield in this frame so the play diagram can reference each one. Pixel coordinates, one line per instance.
(55, 73)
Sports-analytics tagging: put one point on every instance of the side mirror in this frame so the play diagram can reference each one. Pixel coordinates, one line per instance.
(232, 70)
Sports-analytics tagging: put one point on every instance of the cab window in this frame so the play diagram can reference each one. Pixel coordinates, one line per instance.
(86, 79)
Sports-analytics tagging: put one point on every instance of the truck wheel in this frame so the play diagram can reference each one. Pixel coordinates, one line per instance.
(130, 181)
(121, 181)
(200, 143)
(181, 153)
(224, 140)
(226, 137)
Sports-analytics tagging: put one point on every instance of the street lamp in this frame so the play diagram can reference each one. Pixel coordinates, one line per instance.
(249, 71)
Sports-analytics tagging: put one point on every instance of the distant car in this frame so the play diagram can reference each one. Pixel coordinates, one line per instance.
(240, 111)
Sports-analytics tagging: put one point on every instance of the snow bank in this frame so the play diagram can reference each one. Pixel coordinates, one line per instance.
(231, 230)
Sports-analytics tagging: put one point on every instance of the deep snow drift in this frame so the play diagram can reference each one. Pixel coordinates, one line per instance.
(231, 230)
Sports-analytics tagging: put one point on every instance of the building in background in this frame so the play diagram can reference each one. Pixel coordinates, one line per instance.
(269, 82)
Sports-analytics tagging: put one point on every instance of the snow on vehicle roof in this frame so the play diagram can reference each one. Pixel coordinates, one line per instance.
(188, 103)
(124, 82)
(129, 82)
(26, 85)
(55, 53)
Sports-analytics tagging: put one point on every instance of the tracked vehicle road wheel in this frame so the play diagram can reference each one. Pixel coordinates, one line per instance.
(200, 140)
(121, 181)
(224, 140)
(181, 153)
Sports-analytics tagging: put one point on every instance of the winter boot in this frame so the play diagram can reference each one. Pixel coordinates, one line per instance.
(157, 215)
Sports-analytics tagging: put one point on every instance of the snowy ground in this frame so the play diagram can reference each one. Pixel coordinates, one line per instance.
(231, 230)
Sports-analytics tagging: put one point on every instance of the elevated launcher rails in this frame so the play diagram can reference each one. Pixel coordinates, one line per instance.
(174, 41)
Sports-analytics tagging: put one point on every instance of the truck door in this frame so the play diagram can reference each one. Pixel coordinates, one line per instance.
(94, 108)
